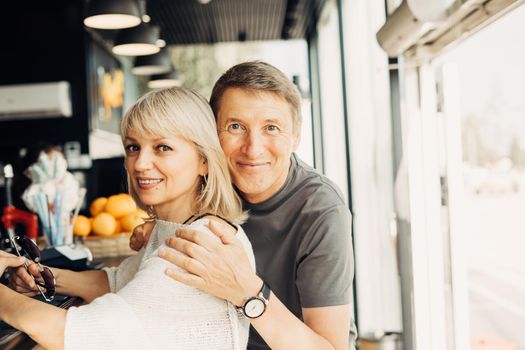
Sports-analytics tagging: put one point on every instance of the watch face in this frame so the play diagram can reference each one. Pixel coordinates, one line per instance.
(254, 308)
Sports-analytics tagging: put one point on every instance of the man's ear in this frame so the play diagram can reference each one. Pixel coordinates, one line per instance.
(297, 140)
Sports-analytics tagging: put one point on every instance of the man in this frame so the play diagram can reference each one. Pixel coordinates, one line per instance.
(299, 225)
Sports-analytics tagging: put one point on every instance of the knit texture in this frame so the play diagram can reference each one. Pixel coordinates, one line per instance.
(148, 310)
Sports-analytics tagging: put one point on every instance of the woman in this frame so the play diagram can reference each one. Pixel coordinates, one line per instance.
(177, 171)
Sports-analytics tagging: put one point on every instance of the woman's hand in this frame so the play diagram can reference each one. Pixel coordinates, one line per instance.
(9, 260)
(22, 282)
(140, 236)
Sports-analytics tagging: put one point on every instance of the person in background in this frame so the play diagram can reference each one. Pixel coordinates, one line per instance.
(299, 224)
(178, 172)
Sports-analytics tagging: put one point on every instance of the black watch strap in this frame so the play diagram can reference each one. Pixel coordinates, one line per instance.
(265, 292)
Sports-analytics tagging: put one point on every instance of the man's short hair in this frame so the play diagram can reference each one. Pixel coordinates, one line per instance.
(257, 76)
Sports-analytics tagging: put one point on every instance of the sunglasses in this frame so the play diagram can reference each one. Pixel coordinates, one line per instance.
(45, 284)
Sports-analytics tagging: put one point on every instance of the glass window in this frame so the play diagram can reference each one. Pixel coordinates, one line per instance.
(490, 76)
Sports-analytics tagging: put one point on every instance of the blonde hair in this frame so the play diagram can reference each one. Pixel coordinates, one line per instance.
(180, 112)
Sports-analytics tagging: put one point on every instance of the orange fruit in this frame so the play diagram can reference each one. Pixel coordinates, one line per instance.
(82, 226)
(118, 227)
(120, 205)
(129, 222)
(104, 224)
(97, 206)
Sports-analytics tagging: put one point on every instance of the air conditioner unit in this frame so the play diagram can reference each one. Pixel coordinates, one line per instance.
(408, 23)
(421, 29)
(35, 101)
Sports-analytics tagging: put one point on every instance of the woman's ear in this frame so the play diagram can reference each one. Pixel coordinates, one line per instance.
(203, 171)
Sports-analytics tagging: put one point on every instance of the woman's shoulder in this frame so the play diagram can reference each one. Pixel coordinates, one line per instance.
(221, 224)
(202, 224)
(224, 224)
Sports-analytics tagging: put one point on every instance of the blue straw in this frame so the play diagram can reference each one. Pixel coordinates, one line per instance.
(52, 222)
(60, 217)
(41, 206)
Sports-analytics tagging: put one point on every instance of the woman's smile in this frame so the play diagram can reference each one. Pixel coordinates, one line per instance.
(145, 183)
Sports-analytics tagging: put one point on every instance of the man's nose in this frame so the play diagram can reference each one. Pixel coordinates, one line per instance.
(254, 144)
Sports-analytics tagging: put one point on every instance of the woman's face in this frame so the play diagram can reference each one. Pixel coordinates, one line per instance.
(164, 172)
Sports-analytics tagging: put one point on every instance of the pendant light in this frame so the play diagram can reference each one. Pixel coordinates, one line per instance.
(137, 41)
(158, 63)
(161, 81)
(112, 14)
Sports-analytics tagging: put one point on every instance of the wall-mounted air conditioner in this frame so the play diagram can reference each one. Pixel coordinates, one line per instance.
(408, 23)
(35, 101)
(423, 28)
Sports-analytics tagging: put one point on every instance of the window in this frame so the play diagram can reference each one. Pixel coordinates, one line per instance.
(490, 75)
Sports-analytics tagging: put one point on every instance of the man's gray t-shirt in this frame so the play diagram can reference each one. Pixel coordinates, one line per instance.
(301, 237)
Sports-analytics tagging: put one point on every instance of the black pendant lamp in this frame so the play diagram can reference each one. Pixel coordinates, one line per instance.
(158, 63)
(112, 14)
(161, 81)
(137, 41)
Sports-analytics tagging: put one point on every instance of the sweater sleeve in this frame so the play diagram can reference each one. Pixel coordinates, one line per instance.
(153, 311)
(107, 323)
(119, 276)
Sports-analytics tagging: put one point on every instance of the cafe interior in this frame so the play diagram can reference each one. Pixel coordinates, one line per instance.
(68, 72)
(366, 71)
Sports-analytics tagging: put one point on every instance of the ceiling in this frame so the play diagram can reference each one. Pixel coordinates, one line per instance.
(190, 22)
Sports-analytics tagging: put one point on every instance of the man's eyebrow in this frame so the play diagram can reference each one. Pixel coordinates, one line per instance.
(273, 120)
(268, 120)
(233, 120)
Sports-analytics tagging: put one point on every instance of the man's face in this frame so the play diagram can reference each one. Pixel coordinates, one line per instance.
(257, 135)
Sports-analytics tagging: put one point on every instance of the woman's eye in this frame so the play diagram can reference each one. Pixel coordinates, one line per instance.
(164, 148)
(235, 128)
(131, 148)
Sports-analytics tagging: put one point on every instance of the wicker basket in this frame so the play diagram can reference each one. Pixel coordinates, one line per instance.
(114, 246)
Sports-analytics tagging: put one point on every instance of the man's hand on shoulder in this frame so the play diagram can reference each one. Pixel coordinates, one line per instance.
(220, 268)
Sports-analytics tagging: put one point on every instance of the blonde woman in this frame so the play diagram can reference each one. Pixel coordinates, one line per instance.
(178, 172)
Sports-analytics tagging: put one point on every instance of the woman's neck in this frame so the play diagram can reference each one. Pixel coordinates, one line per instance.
(174, 213)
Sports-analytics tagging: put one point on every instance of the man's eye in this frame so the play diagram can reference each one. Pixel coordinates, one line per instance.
(235, 128)
(131, 148)
(273, 129)
(164, 148)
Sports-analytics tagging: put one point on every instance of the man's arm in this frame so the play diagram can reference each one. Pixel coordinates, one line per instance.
(223, 270)
(323, 327)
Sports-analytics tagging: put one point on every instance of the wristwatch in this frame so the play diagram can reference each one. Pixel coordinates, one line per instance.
(254, 307)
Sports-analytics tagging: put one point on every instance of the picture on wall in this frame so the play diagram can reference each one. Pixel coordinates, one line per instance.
(106, 89)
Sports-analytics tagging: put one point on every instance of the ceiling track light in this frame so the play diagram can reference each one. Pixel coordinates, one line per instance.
(162, 81)
(137, 41)
(158, 63)
(112, 14)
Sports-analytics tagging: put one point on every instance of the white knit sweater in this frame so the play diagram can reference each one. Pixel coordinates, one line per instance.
(148, 310)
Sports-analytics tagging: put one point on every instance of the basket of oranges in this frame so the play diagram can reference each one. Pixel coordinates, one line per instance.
(106, 233)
